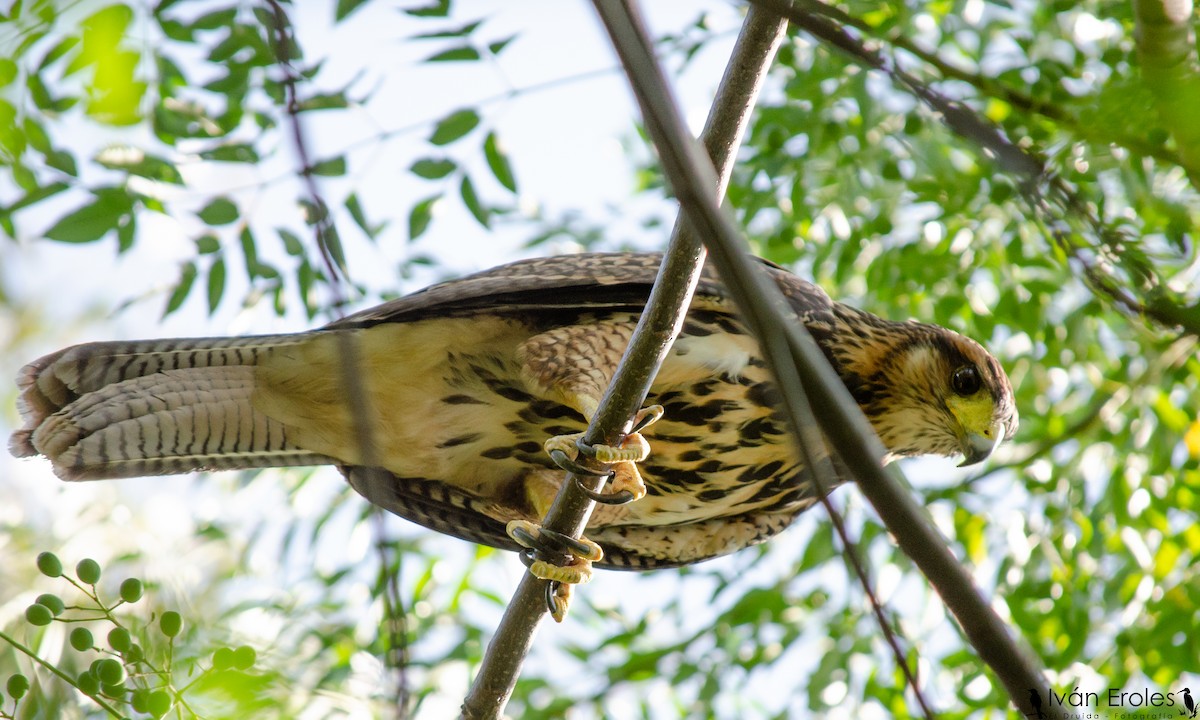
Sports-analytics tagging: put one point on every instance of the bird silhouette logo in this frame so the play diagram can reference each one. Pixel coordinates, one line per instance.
(1036, 701)
(1188, 703)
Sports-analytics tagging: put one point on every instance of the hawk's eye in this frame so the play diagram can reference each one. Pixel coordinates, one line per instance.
(966, 380)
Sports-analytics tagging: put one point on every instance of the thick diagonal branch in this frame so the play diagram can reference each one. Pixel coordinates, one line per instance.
(659, 324)
(802, 371)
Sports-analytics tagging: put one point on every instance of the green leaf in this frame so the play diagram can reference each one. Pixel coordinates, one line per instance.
(333, 245)
(360, 217)
(8, 71)
(438, 8)
(496, 47)
(37, 194)
(216, 284)
(221, 211)
(291, 242)
(207, 244)
(471, 200)
(35, 134)
(249, 251)
(497, 160)
(420, 216)
(345, 7)
(62, 47)
(216, 20)
(187, 278)
(323, 101)
(231, 152)
(460, 31)
(125, 232)
(334, 167)
(91, 222)
(433, 168)
(454, 126)
(456, 54)
(62, 161)
(136, 162)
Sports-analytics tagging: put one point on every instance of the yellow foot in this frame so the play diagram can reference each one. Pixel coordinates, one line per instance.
(626, 484)
(578, 569)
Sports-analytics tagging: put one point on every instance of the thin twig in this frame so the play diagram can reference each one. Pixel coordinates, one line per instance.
(394, 620)
(800, 369)
(657, 327)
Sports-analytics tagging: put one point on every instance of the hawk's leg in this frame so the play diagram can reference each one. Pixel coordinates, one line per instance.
(576, 363)
(626, 482)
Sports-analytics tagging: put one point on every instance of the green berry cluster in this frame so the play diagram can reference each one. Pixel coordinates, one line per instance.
(123, 675)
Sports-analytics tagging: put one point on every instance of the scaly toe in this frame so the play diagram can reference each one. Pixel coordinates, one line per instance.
(576, 572)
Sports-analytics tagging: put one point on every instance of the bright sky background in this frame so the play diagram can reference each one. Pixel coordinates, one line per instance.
(566, 142)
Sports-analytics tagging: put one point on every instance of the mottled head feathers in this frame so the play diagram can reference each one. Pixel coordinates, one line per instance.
(926, 390)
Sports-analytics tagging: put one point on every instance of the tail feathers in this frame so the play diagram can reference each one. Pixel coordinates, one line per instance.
(110, 410)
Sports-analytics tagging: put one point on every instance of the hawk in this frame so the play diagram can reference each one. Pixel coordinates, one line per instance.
(464, 382)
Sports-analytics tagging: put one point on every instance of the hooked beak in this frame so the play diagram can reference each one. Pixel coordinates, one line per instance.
(977, 447)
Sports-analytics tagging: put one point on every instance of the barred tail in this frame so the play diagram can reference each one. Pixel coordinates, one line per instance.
(124, 409)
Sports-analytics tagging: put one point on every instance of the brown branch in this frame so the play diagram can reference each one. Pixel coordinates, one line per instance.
(659, 324)
(1167, 52)
(985, 84)
(802, 372)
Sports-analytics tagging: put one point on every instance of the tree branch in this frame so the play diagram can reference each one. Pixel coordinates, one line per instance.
(1066, 215)
(802, 372)
(657, 328)
(1167, 51)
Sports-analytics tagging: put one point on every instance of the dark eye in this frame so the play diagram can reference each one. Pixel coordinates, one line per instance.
(966, 380)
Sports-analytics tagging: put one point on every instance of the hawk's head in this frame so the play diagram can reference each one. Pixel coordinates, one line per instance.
(926, 390)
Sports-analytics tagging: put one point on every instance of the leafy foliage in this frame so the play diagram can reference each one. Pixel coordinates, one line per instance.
(1085, 533)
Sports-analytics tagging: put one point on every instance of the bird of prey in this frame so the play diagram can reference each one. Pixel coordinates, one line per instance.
(464, 382)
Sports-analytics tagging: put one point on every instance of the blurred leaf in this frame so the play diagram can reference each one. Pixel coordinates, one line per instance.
(438, 8)
(333, 167)
(360, 217)
(233, 152)
(216, 284)
(291, 242)
(497, 47)
(420, 216)
(219, 211)
(455, 54)
(454, 126)
(92, 221)
(8, 72)
(433, 168)
(497, 160)
(345, 8)
(457, 32)
(136, 162)
(207, 244)
(471, 200)
(187, 277)
(323, 101)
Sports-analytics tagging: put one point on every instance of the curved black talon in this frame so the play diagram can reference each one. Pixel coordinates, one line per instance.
(624, 497)
(585, 449)
(551, 542)
(531, 542)
(526, 556)
(561, 459)
(551, 591)
(647, 419)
